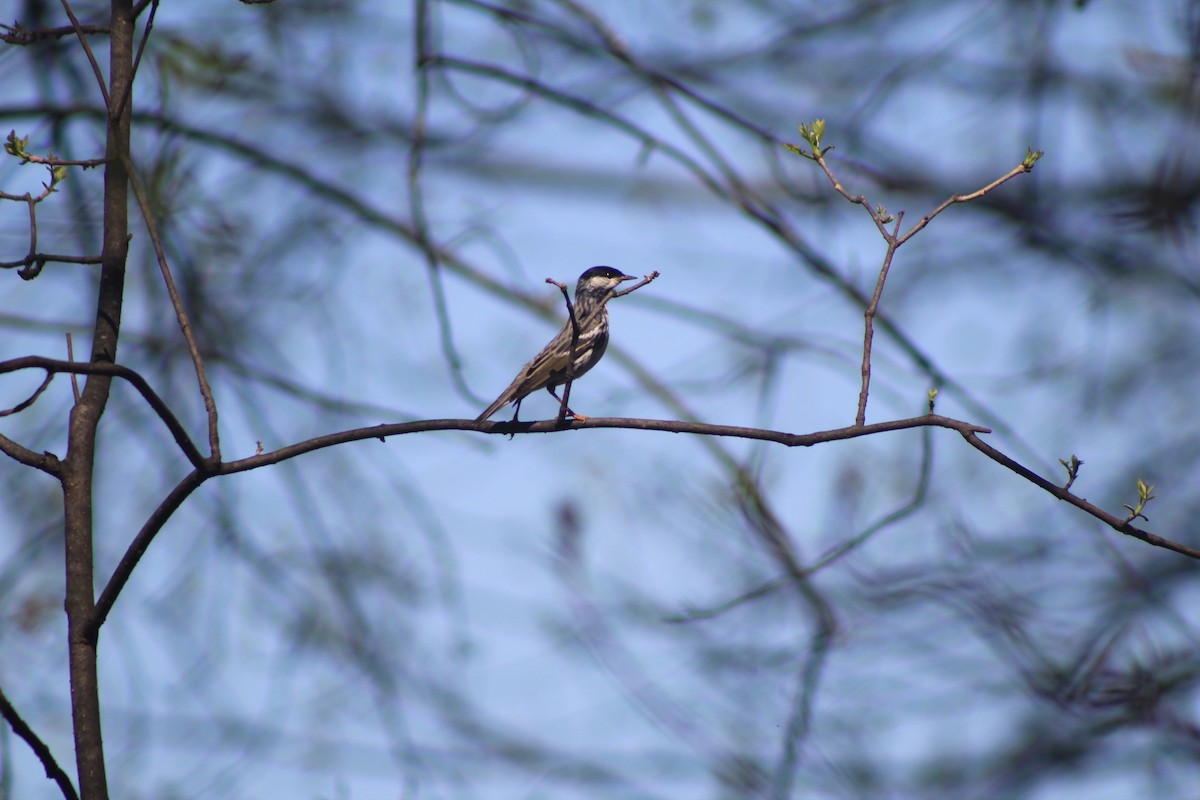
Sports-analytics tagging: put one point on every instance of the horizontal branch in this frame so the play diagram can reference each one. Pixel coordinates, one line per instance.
(16, 34)
(205, 471)
(381, 432)
(40, 259)
(968, 430)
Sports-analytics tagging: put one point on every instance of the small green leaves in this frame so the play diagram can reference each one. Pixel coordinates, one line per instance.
(1072, 468)
(933, 393)
(811, 134)
(1031, 158)
(1145, 495)
(15, 146)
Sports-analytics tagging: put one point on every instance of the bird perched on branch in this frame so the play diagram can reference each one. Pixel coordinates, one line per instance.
(585, 335)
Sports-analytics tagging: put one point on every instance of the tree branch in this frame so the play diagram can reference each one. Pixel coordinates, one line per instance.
(137, 548)
(53, 771)
(114, 371)
(1119, 524)
(185, 325)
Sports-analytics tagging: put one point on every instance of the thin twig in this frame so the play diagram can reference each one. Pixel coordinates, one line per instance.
(21, 728)
(137, 60)
(86, 163)
(1119, 524)
(87, 48)
(185, 325)
(1020, 169)
(31, 265)
(137, 548)
(24, 404)
(894, 240)
(74, 376)
(860, 417)
(645, 280)
(116, 371)
(563, 406)
(15, 34)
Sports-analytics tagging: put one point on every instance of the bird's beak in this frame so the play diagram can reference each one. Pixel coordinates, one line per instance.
(628, 278)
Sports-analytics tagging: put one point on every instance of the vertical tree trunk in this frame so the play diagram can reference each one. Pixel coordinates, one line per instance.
(78, 468)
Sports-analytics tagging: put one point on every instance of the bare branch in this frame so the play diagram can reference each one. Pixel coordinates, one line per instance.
(860, 416)
(87, 48)
(46, 462)
(15, 34)
(71, 358)
(53, 771)
(1119, 524)
(812, 134)
(24, 404)
(137, 60)
(116, 371)
(1020, 169)
(137, 548)
(185, 325)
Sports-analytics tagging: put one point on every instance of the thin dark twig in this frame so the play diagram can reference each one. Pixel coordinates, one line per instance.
(86, 163)
(74, 376)
(860, 417)
(19, 407)
(645, 280)
(137, 548)
(15, 34)
(87, 48)
(137, 60)
(1119, 524)
(185, 325)
(33, 262)
(1020, 169)
(21, 728)
(894, 241)
(563, 408)
(117, 371)
(39, 260)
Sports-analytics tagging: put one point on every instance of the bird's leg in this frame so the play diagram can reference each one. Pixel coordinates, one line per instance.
(563, 408)
(516, 411)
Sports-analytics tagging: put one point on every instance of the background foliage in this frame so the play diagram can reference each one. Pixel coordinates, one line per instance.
(360, 202)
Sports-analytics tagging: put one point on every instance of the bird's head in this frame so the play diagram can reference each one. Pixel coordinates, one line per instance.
(599, 282)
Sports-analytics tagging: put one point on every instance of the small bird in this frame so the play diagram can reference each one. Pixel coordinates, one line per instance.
(551, 367)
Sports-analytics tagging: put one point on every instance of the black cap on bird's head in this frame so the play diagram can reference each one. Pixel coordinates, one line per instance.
(612, 273)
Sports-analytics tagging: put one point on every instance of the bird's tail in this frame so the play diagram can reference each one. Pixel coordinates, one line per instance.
(500, 403)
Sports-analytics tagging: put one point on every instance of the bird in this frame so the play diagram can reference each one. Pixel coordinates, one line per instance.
(585, 334)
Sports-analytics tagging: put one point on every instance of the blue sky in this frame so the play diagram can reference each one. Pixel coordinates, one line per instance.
(461, 580)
